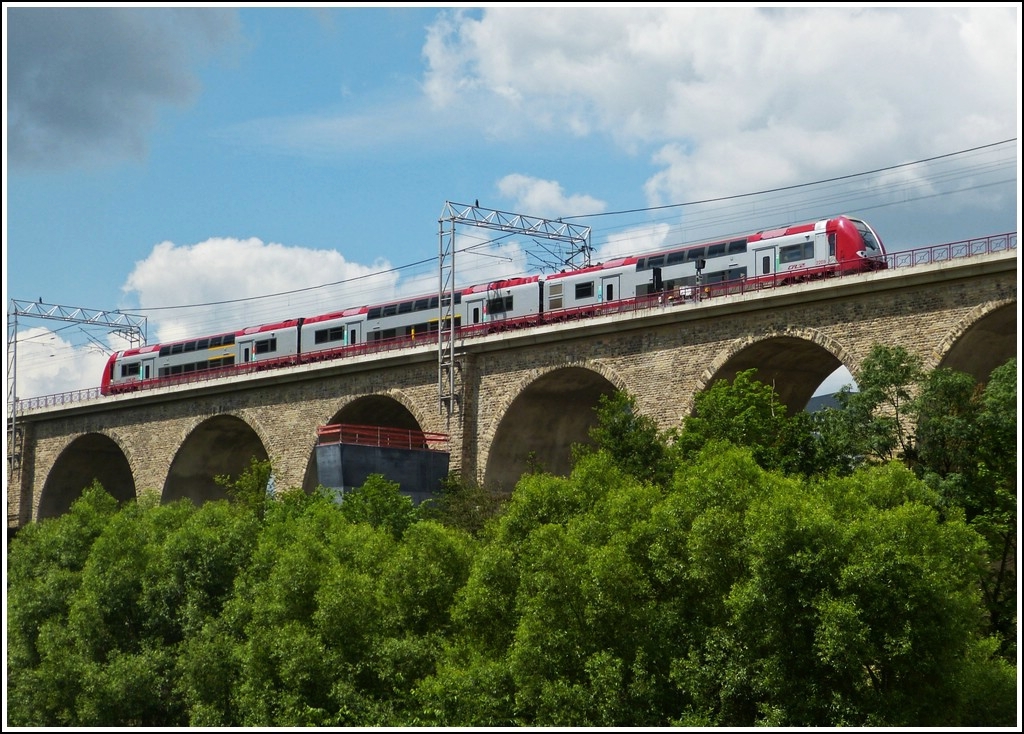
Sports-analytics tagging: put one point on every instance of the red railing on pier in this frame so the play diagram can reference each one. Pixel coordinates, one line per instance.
(381, 436)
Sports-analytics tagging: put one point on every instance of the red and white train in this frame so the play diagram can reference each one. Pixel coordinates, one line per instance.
(826, 248)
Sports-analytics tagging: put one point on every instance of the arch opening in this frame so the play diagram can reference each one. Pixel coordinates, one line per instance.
(93, 456)
(543, 422)
(221, 446)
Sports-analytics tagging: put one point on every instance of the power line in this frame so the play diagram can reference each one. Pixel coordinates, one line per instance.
(735, 197)
(847, 177)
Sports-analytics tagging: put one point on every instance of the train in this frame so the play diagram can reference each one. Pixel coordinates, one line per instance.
(826, 248)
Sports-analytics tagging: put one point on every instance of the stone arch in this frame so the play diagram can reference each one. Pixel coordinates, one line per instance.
(217, 445)
(83, 459)
(391, 409)
(981, 340)
(540, 417)
(793, 361)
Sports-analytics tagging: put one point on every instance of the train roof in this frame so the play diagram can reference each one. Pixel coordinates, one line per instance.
(770, 234)
(344, 313)
(264, 327)
(617, 262)
(503, 283)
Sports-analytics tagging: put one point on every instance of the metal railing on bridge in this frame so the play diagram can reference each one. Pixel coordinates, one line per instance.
(680, 296)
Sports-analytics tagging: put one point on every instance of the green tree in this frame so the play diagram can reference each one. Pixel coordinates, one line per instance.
(45, 564)
(966, 449)
(379, 503)
(738, 597)
(250, 489)
(746, 412)
(873, 424)
(631, 438)
(464, 505)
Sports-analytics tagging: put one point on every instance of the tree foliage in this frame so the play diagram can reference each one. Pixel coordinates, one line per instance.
(736, 576)
(746, 412)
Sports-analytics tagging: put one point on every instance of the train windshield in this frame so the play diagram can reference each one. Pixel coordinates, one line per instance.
(871, 244)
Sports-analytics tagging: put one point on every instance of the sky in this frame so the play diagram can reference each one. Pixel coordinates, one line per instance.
(212, 168)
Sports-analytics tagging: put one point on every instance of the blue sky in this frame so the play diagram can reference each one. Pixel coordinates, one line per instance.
(188, 164)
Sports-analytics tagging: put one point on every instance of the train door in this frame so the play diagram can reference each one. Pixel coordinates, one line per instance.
(610, 288)
(475, 309)
(245, 351)
(764, 261)
(352, 333)
(148, 369)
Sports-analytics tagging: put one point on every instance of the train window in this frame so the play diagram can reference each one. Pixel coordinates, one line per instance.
(329, 335)
(176, 348)
(716, 250)
(555, 303)
(832, 244)
(405, 307)
(186, 368)
(130, 370)
(736, 246)
(433, 302)
(674, 258)
(176, 369)
(737, 273)
(499, 305)
(715, 277)
(870, 243)
(656, 262)
(203, 344)
(352, 339)
(190, 347)
(204, 365)
(793, 253)
(641, 264)
(422, 305)
(555, 289)
(390, 310)
(227, 339)
(585, 290)
(264, 346)
(165, 351)
(695, 254)
(215, 341)
(373, 313)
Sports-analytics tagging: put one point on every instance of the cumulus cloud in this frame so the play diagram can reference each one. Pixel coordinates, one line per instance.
(86, 84)
(544, 198)
(762, 97)
(48, 363)
(231, 280)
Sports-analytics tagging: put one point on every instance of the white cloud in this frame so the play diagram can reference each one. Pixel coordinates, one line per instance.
(48, 364)
(739, 99)
(223, 272)
(632, 242)
(544, 198)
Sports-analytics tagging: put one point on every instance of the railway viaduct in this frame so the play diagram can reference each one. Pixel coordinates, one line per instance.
(524, 397)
